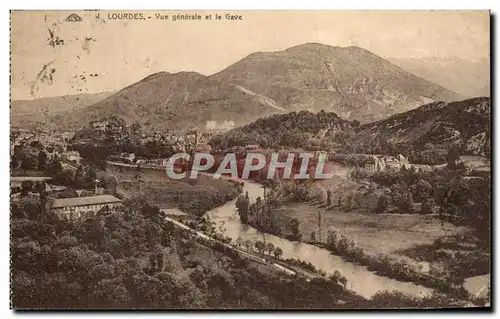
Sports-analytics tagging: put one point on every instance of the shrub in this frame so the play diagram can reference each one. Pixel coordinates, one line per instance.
(383, 204)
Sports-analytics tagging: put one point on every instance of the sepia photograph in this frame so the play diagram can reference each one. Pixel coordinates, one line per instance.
(250, 160)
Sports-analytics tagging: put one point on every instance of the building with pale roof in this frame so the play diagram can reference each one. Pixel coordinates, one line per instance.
(78, 208)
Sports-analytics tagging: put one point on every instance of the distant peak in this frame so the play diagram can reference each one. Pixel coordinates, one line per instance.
(167, 74)
(189, 73)
(356, 48)
(155, 75)
(327, 48)
(312, 46)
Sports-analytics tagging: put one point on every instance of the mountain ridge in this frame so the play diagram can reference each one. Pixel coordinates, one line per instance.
(465, 76)
(424, 135)
(350, 81)
(27, 113)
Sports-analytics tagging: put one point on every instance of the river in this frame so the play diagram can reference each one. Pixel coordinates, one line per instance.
(360, 279)
(364, 282)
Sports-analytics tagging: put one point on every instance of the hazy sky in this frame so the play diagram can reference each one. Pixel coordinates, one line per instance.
(122, 52)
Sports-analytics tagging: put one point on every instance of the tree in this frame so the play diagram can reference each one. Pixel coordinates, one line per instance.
(427, 205)
(452, 157)
(151, 212)
(81, 179)
(36, 144)
(313, 236)
(332, 238)
(66, 177)
(402, 198)
(335, 277)
(42, 160)
(54, 168)
(343, 244)
(14, 162)
(248, 244)
(110, 183)
(260, 246)
(26, 186)
(454, 203)
(28, 160)
(278, 252)
(239, 242)
(421, 190)
(110, 293)
(242, 206)
(270, 248)
(343, 281)
(342, 190)
(294, 228)
(135, 129)
(91, 174)
(329, 197)
(383, 204)
(42, 193)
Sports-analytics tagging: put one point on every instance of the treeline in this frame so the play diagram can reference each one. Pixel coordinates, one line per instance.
(462, 200)
(262, 214)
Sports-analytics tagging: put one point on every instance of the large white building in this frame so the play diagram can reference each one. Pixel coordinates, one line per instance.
(79, 208)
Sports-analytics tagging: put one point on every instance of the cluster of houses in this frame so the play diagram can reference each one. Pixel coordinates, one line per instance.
(219, 126)
(54, 144)
(23, 137)
(385, 162)
(179, 142)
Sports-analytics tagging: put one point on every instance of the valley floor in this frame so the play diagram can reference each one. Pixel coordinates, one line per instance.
(375, 233)
(435, 247)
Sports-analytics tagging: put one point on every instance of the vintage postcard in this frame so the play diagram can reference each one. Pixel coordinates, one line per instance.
(250, 160)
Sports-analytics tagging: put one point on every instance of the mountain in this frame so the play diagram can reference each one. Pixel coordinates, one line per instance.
(178, 101)
(464, 76)
(352, 82)
(430, 130)
(27, 113)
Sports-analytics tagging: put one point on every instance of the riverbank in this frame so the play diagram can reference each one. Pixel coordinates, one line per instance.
(380, 242)
(360, 280)
(256, 252)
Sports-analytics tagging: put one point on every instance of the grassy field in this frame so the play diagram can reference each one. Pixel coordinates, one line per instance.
(375, 233)
(194, 197)
(422, 242)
